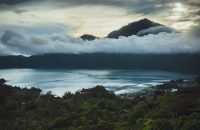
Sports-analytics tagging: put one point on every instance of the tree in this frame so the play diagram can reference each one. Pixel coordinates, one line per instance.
(2, 81)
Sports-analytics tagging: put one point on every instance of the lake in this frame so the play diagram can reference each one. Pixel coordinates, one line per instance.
(61, 80)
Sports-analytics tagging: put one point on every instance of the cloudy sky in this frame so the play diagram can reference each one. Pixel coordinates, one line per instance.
(30, 27)
(97, 17)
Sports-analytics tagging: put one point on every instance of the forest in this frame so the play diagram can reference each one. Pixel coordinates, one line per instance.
(187, 63)
(174, 105)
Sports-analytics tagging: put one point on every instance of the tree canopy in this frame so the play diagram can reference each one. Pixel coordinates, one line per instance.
(99, 109)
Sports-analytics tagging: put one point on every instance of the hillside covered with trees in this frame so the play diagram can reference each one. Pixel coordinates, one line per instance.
(187, 63)
(171, 106)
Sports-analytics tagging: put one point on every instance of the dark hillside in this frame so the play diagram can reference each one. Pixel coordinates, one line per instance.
(133, 28)
(170, 62)
(99, 109)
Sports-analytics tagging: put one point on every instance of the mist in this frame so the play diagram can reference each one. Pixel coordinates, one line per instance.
(18, 43)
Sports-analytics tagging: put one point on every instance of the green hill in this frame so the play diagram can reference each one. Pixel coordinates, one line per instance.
(99, 109)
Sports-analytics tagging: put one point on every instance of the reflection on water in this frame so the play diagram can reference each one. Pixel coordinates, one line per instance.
(62, 80)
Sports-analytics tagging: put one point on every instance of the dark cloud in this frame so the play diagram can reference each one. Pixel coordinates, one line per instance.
(20, 11)
(195, 31)
(12, 2)
(198, 12)
(10, 34)
(195, 3)
(139, 6)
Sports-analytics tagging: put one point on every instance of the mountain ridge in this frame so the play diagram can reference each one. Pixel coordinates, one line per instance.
(133, 28)
(188, 63)
(139, 28)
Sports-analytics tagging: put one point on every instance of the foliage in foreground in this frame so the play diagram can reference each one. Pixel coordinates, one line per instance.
(98, 109)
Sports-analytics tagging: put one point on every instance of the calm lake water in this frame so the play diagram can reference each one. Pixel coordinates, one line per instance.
(61, 80)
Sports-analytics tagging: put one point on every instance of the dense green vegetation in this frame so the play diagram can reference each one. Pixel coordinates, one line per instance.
(99, 109)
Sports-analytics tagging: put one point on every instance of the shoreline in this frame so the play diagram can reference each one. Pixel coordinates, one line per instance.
(99, 109)
(171, 85)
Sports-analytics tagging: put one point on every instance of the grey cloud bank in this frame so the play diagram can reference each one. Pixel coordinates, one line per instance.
(15, 43)
(139, 6)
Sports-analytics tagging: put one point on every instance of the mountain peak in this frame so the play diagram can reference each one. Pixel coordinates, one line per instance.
(88, 37)
(133, 28)
(145, 19)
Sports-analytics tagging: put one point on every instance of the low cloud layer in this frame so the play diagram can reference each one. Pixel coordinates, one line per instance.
(156, 30)
(15, 43)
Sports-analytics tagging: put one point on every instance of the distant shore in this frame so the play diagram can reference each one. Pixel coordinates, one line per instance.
(186, 63)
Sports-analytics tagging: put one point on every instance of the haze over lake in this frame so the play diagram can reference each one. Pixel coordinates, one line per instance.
(61, 80)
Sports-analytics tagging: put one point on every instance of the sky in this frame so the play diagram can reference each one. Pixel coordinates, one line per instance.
(97, 17)
(30, 27)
